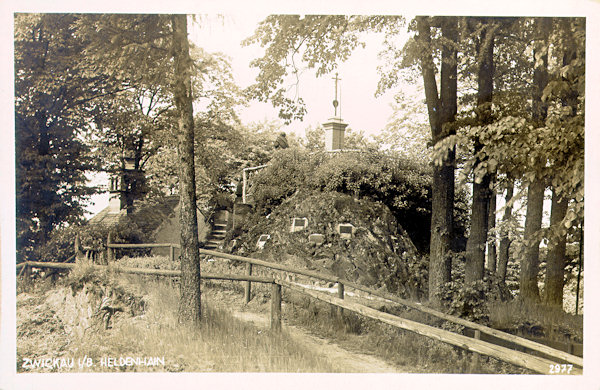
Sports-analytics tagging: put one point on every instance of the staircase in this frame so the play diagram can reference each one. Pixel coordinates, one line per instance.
(216, 237)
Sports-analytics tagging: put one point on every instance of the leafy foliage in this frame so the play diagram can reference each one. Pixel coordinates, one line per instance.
(318, 41)
(471, 301)
(53, 108)
(400, 184)
(407, 132)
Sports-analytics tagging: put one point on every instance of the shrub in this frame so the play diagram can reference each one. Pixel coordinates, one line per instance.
(471, 301)
(289, 171)
(61, 247)
(402, 185)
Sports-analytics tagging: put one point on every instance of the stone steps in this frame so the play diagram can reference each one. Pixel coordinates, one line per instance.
(216, 237)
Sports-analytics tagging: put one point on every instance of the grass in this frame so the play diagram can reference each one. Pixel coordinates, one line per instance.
(407, 350)
(555, 324)
(222, 343)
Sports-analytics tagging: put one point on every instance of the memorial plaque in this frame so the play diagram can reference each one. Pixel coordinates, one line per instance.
(317, 239)
(345, 230)
(298, 224)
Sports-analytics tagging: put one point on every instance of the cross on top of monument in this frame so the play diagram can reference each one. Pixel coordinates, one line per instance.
(335, 101)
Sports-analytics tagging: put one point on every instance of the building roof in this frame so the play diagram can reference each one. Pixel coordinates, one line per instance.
(106, 217)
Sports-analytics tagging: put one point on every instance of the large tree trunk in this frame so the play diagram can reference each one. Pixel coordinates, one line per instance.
(535, 192)
(475, 255)
(189, 301)
(555, 267)
(440, 111)
(533, 223)
(504, 234)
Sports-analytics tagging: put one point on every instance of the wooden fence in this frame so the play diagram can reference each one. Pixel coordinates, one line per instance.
(532, 345)
(110, 247)
(543, 364)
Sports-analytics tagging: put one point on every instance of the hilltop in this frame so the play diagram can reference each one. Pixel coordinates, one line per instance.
(379, 252)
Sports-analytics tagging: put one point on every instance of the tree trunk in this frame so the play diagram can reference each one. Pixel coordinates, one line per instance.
(504, 234)
(440, 111)
(189, 302)
(533, 223)
(555, 267)
(535, 192)
(448, 92)
(475, 255)
(491, 246)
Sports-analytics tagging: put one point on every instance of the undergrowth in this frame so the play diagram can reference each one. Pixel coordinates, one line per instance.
(221, 343)
(411, 352)
(536, 320)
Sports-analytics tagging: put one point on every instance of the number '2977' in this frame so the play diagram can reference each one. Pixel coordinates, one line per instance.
(560, 368)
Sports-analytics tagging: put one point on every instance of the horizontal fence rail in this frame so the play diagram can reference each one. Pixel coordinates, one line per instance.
(139, 246)
(521, 359)
(110, 246)
(538, 364)
(144, 271)
(544, 349)
(555, 353)
(267, 264)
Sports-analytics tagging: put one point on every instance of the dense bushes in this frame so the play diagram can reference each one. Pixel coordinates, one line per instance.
(471, 301)
(289, 170)
(61, 247)
(402, 185)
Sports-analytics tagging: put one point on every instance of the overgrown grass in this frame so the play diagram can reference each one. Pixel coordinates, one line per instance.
(409, 351)
(221, 343)
(550, 322)
(228, 344)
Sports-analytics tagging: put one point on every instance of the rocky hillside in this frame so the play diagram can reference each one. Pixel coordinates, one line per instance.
(379, 253)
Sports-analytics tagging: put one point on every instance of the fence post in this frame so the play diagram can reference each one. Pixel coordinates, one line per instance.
(248, 289)
(276, 307)
(340, 310)
(172, 252)
(476, 356)
(244, 182)
(109, 251)
(26, 276)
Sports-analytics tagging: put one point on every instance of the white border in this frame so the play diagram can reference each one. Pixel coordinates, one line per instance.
(590, 379)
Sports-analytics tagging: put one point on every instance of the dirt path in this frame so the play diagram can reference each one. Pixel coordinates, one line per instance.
(350, 361)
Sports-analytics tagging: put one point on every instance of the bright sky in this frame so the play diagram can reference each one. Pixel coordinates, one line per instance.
(359, 107)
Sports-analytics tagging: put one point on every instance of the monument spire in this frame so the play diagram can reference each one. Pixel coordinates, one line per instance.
(334, 127)
(335, 100)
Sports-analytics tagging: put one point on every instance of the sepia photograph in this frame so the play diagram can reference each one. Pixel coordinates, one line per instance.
(285, 196)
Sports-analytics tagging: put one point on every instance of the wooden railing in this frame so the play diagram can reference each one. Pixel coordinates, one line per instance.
(521, 359)
(110, 247)
(275, 290)
(535, 363)
(532, 345)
